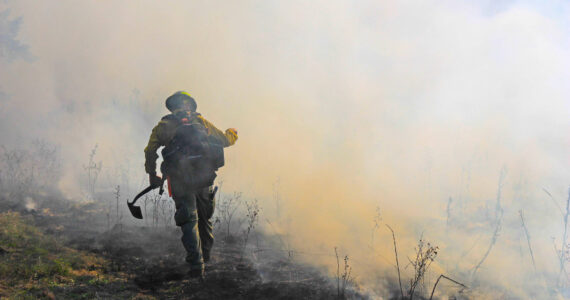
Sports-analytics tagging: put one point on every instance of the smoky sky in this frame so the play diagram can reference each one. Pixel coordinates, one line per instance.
(348, 106)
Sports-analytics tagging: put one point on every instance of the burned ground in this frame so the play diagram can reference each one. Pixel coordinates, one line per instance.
(66, 251)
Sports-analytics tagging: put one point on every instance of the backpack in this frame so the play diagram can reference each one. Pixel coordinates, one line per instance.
(192, 154)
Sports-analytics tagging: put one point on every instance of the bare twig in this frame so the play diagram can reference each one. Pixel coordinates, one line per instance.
(448, 211)
(443, 276)
(117, 196)
(397, 262)
(227, 209)
(498, 220)
(93, 169)
(556, 203)
(493, 241)
(346, 277)
(377, 220)
(337, 273)
(425, 255)
(521, 214)
(564, 236)
(498, 207)
(342, 280)
(560, 256)
(252, 217)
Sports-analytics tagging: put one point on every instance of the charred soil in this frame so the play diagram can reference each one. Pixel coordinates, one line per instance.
(67, 251)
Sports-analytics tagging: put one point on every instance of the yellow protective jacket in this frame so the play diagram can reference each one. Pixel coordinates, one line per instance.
(165, 130)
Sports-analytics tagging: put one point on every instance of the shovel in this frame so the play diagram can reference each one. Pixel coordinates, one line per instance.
(136, 210)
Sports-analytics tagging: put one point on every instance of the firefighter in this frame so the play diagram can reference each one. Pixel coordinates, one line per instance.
(194, 201)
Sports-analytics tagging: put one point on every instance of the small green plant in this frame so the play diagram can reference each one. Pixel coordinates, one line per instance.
(97, 281)
(49, 268)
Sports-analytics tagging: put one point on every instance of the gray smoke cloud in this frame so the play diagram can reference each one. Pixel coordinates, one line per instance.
(348, 105)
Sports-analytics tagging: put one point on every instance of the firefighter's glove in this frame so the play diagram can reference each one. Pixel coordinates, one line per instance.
(154, 180)
(233, 132)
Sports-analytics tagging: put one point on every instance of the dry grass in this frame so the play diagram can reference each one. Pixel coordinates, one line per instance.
(32, 263)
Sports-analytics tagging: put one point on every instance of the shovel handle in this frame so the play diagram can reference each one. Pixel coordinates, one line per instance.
(146, 190)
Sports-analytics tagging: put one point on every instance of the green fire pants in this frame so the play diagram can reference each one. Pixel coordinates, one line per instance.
(194, 209)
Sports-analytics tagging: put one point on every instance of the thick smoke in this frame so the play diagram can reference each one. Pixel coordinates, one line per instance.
(347, 106)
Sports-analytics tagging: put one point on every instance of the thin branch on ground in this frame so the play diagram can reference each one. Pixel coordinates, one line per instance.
(443, 276)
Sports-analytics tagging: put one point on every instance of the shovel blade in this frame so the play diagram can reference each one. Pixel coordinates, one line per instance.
(135, 211)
